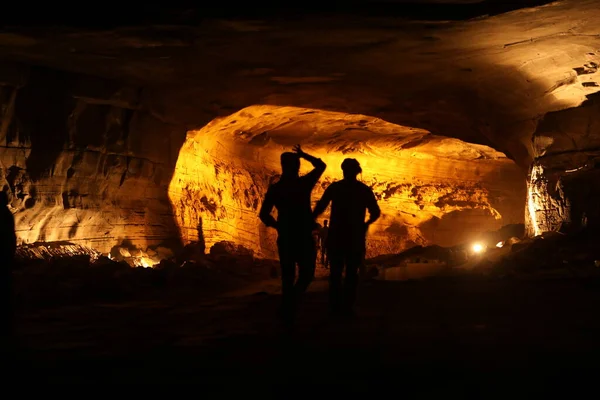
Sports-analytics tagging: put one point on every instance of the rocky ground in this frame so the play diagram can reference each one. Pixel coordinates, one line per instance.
(84, 276)
(454, 336)
(483, 331)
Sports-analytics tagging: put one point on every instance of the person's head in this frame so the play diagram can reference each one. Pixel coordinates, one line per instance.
(325, 222)
(3, 198)
(290, 164)
(351, 168)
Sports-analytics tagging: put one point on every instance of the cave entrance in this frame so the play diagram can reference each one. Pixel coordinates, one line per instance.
(431, 189)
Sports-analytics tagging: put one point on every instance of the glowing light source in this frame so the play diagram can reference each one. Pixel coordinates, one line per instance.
(144, 262)
(477, 248)
(500, 245)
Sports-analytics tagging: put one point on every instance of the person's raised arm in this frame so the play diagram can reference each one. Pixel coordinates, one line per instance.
(317, 163)
(266, 208)
(323, 203)
(373, 208)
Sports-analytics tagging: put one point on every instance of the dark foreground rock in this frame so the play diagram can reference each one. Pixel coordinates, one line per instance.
(50, 275)
(452, 336)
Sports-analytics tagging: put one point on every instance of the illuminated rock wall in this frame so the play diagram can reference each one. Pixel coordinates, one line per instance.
(431, 189)
(85, 161)
(82, 163)
(563, 189)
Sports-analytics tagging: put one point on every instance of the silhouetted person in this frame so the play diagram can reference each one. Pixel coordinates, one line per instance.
(8, 245)
(294, 224)
(323, 232)
(316, 232)
(346, 239)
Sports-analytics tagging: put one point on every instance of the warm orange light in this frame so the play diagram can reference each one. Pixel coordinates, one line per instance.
(145, 262)
(478, 248)
(225, 168)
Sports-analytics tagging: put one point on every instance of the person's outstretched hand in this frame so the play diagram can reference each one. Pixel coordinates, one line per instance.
(298, 149)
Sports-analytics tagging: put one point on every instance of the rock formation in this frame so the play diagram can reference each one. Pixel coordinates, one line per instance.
(562, 190)
(93, 120)
(81, 162)
(431, 189)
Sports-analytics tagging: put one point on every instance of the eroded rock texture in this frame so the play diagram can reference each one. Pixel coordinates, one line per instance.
(81, 162)
(486, 80)
(431, 189)
(89, 160)
(563, 188)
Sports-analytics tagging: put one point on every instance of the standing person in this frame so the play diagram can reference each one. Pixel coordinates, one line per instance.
(346, 240)
(291, 196)
(8, 245)
(316, 232)
(323, 244)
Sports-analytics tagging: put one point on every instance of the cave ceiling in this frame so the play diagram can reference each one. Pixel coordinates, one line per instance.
(486, 80)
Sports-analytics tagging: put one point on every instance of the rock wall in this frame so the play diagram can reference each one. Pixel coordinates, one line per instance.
(563, 188)
(431, 189)
(86, 160)
(486, 80)
(82, 161)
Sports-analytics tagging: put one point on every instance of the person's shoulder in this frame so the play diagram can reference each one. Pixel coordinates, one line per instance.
(334, 185)
(364, 186)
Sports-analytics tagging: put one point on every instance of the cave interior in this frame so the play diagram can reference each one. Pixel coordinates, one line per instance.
(150, 136)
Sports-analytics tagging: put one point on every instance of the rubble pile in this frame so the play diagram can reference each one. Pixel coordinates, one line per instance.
(48, 275)
(47, 251)
(136, 257)
(552, 254)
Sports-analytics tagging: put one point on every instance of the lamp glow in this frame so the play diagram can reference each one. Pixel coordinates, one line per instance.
(477, 248)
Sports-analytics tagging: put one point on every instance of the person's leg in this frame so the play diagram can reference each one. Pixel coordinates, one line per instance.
(307, 262)
(353, 263)
(288, 275)
(336, 264)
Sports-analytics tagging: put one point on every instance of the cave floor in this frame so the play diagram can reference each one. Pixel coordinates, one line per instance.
(436, 335)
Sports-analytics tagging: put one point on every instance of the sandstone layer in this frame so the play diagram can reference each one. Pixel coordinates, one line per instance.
(485, 80)
(431, 189)
(563, 188)
(82, 163)
(92, 121)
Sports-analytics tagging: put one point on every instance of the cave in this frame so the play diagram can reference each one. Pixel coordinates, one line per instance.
(141, 143)
(432, 189)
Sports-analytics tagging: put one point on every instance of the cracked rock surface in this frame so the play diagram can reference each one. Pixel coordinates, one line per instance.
(93, 120)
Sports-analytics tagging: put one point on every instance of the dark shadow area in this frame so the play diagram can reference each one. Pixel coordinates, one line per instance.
(194, 250)
(42, 108)
(472, 336)
(518, 328)
(189, 13)
(8, 243)
(59, 274)
(91, 126)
